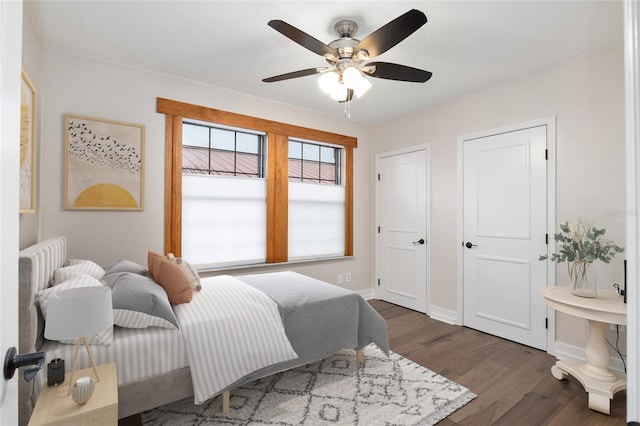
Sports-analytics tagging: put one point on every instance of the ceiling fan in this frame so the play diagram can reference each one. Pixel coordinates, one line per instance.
(349, 58)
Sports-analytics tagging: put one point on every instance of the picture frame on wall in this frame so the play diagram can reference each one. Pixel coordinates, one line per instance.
(104, 164)
(27, 146)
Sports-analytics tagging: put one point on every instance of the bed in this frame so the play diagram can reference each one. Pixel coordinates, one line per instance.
(319, 319)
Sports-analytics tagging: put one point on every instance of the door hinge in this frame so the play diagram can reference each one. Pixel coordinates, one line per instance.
(546, 323)
(546, 154)
(378, 282)
(378, 176)
(546, 239)
(378, 229)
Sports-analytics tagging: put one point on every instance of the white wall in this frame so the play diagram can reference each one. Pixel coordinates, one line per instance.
(586, 95)
(110, 91)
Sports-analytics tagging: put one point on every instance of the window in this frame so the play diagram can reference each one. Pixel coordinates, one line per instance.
(200, 152)
(314, 162)
(222, 152)
(316, 200)
(223, 196)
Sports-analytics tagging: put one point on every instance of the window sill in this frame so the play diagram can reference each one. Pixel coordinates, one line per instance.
(267, 266)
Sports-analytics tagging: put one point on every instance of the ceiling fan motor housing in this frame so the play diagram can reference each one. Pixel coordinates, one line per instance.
(346, 28)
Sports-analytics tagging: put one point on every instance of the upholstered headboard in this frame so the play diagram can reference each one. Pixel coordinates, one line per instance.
(38, 264)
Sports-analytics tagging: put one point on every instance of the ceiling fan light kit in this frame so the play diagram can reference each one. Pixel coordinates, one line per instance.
(328, 82)
(340, 93)
(337, 86)
(348, 57)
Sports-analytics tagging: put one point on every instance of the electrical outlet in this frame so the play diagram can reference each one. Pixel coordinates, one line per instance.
(340, 279)
(347, 277)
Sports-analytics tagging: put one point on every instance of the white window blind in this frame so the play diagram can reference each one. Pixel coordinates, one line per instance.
(316, 220)
(223, 220)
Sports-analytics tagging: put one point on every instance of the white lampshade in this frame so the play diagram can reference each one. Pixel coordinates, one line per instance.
(351, 76)
(339, 93)
(354, 79)
(78, 312)
(362, 86)
(328, 82)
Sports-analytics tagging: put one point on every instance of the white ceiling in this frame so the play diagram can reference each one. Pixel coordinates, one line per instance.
(468, 45)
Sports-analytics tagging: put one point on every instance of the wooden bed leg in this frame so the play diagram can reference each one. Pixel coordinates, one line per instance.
(359, 355)
(225, 402)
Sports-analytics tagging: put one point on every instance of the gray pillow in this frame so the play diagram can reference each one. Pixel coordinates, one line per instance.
(124, 265)
(138, 302)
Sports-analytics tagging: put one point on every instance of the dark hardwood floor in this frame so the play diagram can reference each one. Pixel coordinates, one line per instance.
(513, 382)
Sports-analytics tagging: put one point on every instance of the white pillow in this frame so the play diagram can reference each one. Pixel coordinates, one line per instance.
(75, 261)
(77, 281)
(86, 267)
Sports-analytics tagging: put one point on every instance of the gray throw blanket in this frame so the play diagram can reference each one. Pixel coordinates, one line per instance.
(320, 319)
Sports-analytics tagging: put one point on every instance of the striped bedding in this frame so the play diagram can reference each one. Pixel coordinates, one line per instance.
(230, 330)
(227, 331)
(140, 353)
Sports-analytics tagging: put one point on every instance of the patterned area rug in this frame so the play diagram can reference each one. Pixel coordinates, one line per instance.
(380, 391)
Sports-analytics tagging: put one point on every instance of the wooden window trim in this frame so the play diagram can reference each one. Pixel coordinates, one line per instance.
(278, 135)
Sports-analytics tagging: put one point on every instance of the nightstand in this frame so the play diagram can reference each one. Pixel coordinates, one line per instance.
(55, 407)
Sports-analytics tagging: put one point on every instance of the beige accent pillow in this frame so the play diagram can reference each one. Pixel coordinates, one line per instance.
(171, 277)
(189, 271)
(150, 257)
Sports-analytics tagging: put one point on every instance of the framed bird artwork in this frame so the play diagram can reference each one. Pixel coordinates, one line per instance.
(104, 164)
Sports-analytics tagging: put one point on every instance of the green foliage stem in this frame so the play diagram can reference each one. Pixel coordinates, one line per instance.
(579, 241)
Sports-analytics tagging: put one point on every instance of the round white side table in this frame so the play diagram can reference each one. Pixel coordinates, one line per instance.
(594, 375)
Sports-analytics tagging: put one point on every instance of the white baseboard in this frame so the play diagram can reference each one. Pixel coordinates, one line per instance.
(444, 315)
(367, 294)
(566, 351)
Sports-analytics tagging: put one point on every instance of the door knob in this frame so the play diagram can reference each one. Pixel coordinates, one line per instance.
(419, 242)
(13, 361)
(469, 244)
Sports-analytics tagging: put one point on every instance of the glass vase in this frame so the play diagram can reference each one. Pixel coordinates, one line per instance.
(583, 279)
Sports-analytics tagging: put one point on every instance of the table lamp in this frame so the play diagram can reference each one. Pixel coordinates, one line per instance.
(79, 313)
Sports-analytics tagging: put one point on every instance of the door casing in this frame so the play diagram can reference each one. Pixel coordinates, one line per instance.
(550, 123)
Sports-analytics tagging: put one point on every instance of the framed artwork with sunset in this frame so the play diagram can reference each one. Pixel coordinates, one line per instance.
(104, 164)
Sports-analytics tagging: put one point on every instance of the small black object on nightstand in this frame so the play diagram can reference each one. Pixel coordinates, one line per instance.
(55, 372)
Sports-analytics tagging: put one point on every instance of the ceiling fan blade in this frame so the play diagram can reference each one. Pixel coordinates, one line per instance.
(302, 38)
(398, 72)
(294, 74)
(387, 36)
